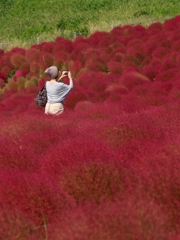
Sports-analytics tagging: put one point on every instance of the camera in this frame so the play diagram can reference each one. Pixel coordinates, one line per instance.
(66, 73)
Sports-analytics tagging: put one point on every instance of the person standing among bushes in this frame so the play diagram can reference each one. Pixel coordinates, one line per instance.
(56, 90)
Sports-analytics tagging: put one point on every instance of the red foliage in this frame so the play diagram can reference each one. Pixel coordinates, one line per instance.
(128, 30)
(136, 50)
(95, 65)
(3, 76)
(19, 61)
(12, 85)
(129, 61)
(73, 98)
(166, 75)
(1, 52)
(150, 72)
(14, 225)
(97, 61)
(2, 83)
(114, 67)
(18, 50)
(105, 40)
(75, 67)
(176, 45)
(116, 31)
(95, 39)
(41, 82)
(63, 44)
(35, 68)
(21, 73)
(15, 153)
(113, 219)
(48, 47)
(171, 25)
(108, 168)
(117, 55)
(132, 79)
(167, 63)
(60, 59)
(152, 68)
(32, 54)
(155, 28)
(140, 29)
(36, 46)
(93, 90)
(33, 195)
(160, 52)
(89, 162)
(46, 60)
(115, 92)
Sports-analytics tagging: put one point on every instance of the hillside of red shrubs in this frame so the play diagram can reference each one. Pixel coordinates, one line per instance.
(108, 168)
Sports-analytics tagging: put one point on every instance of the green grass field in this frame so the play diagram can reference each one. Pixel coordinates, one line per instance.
(22, 20)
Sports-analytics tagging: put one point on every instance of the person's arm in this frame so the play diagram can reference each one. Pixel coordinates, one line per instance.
(70, 80)
(62, 76)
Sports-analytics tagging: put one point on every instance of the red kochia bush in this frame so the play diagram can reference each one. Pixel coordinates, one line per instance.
(166, 75)
(41, 82)
(35, 196)
(6, 60)
(114, 67)
(32, 54)
(105, 41)
(85, 79)
(176, 45)
(171, 25)
(135, 47)
(12, 85)
(93, 181)
(35, 68)
(1, 52)
(17, 102)
(89, 174)
(18, 50)
(94, 90)
(117, 54)
(48, 47)
(19, 61)
(160, 52)
(74, 97)
(169, 61)
(156, 41)
(157, 99)
(95, 38)
(116, 31)
(3, 76)
(128, 217)
(154, 28)
(46, 60)
(150, 72)
(7, 70)
(16, 154)
(140, 29)
(63, 44)
(72, 158)
(97, 62)
(75, 67)
(132, 79)
(16, 226)
(78, 51)
(159, 173)
(2, 83)
(60, 59)
(116, 91)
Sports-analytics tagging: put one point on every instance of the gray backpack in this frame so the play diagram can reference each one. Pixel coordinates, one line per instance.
(41, 98)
